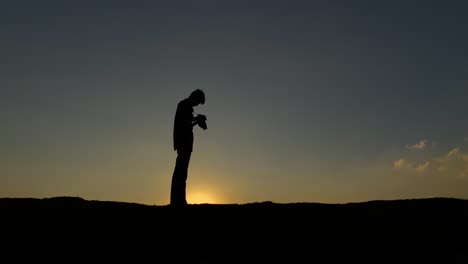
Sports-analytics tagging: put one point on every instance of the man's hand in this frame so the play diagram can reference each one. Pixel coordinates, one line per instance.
(201, 121)
(200, 118)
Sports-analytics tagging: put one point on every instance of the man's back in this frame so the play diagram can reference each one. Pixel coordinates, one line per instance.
(183, 128)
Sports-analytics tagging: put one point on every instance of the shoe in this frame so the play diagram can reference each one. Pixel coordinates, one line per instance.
(179, 204)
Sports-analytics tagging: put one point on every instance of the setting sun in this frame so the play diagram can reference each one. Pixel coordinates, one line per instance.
(200, 198)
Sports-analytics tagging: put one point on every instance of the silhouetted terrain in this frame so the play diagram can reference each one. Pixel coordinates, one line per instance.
(435, 227)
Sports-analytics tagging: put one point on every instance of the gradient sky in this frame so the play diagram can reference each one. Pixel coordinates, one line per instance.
(307, 101)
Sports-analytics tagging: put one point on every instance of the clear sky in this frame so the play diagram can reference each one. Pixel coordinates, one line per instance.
(307, 101)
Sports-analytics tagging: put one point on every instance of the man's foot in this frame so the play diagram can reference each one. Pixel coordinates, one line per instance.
(179, 203)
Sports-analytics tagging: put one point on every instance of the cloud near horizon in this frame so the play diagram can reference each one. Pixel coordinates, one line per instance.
(404, 164)
(400, 164)
(423, 166)
(453, 163)
(420, 145)
(454, 152)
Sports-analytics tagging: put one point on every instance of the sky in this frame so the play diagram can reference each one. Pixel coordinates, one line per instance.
(306, 101)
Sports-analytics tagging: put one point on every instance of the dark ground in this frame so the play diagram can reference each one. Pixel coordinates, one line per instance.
(69, 229)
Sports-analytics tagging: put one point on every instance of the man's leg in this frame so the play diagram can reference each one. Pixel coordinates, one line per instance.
(179, 178)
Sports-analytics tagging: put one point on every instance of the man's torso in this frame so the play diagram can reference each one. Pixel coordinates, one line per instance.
(183, 128)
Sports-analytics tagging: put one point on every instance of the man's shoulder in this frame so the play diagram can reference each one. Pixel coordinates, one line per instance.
(185, 104)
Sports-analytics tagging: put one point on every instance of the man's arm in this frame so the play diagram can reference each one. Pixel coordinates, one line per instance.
(185, 116)
(198, 119)
(194, 122)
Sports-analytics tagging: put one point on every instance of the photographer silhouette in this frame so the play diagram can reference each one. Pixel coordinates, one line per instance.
(184, 122)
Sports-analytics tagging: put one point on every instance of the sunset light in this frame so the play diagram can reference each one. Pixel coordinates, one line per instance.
(264, 123)
(287, 101)
(199, 197)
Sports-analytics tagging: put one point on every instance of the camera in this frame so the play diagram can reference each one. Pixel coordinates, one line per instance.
(201, 121)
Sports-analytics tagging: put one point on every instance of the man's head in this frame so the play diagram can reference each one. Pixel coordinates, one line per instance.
(197, 97)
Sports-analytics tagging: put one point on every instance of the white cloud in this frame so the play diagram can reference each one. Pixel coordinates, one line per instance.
(423, 166)
(453, 153)
(421, 145)
(400, 164)
(453, 163)
(403, 164)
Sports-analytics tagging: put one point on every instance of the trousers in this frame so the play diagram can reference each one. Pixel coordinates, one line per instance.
(179, 178)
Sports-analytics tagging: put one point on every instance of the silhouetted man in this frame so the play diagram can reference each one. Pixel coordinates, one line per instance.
(184, 122)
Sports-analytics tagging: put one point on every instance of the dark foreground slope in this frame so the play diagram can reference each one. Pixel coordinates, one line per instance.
(419, 227)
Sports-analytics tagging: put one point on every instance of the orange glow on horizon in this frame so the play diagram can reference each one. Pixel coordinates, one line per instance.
(201, 197)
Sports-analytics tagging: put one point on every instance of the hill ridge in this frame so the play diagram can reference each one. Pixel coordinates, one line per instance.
(78, 199)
